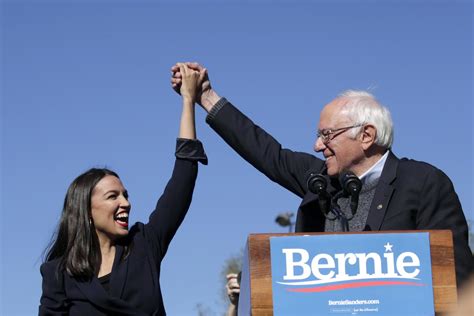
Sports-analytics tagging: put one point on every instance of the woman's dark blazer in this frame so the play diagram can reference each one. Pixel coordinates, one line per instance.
(134, 282)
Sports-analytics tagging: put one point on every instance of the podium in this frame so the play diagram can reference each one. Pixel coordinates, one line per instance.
(256, 284)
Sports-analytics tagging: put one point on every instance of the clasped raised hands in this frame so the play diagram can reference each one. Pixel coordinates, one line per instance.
(203, 88)
(188, 81)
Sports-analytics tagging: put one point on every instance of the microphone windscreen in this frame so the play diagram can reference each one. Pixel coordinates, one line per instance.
(350, 183)
(316, 183)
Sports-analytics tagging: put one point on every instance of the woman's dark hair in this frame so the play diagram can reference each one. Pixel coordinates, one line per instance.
(76, 243)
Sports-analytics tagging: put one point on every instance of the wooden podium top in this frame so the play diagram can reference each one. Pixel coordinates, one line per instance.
(260, 282)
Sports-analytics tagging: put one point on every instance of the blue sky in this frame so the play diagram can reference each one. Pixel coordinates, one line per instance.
(86, 83)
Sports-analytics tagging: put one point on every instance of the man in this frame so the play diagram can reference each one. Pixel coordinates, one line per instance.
(355, 134)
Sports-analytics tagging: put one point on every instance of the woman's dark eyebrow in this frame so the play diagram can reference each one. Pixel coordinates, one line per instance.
(125, 192)
(112, 191)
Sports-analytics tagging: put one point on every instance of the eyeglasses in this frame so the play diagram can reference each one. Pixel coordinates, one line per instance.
(329, 134)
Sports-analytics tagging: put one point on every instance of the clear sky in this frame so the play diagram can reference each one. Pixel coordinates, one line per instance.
(86, 83)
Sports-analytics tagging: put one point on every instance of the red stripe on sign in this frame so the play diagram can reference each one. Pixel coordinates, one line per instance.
(352, 285)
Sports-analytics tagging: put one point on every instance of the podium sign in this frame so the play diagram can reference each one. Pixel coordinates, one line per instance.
(352, 274)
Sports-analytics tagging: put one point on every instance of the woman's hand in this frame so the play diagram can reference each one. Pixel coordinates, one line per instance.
(191, 81)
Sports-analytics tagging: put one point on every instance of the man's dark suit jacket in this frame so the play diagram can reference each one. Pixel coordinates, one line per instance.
(409, 195)
(135, 281)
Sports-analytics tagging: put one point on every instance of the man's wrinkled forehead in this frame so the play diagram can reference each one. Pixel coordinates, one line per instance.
(333, 113)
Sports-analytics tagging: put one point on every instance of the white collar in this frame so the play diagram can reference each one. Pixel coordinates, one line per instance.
(374, 172)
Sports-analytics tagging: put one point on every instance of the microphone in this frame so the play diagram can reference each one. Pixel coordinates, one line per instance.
(318, 184)
(351, 186)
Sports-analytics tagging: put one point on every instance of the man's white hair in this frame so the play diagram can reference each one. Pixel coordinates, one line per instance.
(363, 108)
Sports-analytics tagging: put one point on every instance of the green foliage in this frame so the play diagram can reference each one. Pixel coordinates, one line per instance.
(233, 264)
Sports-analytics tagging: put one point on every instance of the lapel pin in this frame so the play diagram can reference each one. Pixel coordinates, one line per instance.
(379, 207)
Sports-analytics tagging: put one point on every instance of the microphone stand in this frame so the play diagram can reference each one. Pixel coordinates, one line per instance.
(351, 185)
(336, 210)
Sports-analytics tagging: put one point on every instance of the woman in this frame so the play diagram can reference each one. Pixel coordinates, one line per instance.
(96, 265)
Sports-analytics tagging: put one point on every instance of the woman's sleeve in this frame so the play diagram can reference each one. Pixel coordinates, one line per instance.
(174, 203)
(53, 299)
